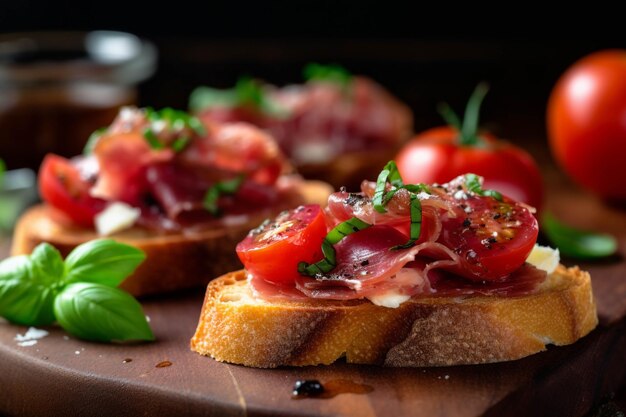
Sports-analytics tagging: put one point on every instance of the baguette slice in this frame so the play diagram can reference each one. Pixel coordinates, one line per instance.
(236, 327)
(173, 261)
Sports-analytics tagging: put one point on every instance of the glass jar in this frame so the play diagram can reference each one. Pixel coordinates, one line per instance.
(56, 88)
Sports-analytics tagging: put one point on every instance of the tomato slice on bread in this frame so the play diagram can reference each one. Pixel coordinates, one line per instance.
(273, 250)
(493, 238)
(61, 186)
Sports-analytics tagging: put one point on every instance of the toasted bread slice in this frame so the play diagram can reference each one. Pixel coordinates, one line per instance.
(236, 327)
(173, 261)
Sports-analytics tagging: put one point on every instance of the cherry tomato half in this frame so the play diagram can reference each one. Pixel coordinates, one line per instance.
(61, 186)
(587, 123)
(273, 250)
(493, 238)
(436, 156)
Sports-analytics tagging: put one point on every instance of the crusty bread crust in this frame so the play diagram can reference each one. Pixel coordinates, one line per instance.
(236, 327)
(173, 261)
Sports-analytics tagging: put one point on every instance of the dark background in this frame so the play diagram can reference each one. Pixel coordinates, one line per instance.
(423, 55)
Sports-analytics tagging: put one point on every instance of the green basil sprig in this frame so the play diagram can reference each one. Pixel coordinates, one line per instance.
(389, 175)
(577, 243)
(220, 188)
(330, 73)
(473, 184)
(248, 92)
(176, 122)
(333, 237)
(79, 293)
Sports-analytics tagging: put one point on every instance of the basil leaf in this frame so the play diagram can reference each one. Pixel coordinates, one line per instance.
(577, 243)
(102, 261)
(47, 263)
(97, 312)
(472, 182)
(24, 298)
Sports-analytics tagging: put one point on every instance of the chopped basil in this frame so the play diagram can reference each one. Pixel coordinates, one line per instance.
(577, 243)
(416, 223)
(390, 174)
(333, 237)
(220, 188)
(472, 183)
(152, 139)
(331, 73)
(180, 143)
(248, 92)
(176, 122)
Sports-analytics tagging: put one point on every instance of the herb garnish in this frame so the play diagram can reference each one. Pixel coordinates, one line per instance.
(332, 238)
(389, 175)
(248, 92)
(178, 123)
(472, 182)
(218, 189)
(331, 73)
(79, 293)
(577, 243)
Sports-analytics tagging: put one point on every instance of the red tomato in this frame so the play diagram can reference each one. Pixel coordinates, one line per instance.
(273, 251)
(61, 186)
(436, 156)
(587, 123)
(493, 238)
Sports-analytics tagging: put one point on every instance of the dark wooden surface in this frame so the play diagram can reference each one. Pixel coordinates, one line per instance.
(60, 374)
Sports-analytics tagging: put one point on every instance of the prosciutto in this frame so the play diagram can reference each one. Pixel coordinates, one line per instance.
(169, 184)
(317, 121)
(376, 261)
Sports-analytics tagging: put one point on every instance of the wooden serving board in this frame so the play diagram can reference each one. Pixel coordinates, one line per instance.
(61, 375)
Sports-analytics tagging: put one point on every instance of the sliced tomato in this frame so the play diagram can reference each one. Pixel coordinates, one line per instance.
(273, 250)
(61, 186)
(493, 238)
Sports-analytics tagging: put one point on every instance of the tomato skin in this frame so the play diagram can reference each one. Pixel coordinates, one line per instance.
(586, 120)
(493, 239)
(435, 157)
(61, 186)
(274, 252)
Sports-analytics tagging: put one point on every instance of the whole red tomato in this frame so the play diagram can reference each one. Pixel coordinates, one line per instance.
(587, 123)
(443, 153)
